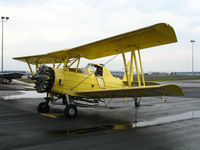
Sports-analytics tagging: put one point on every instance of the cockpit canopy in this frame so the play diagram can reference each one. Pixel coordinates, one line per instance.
(95, 68)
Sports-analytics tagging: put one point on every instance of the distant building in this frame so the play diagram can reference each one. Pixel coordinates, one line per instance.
(188, 73)
(121, 73)
(9, 72)
(117, 73)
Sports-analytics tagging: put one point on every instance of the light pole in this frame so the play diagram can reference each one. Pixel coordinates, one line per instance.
(192, 41)
(3, 19)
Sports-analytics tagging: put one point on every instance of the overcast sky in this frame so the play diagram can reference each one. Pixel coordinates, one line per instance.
(41, 26)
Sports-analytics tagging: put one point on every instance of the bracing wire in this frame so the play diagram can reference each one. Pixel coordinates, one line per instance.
(111, 59)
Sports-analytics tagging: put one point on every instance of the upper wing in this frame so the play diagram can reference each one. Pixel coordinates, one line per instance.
(148, 91)
(151, 36)
(41, 59)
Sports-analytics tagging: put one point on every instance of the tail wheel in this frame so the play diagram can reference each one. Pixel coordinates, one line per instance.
(43, 107)
(70, 111)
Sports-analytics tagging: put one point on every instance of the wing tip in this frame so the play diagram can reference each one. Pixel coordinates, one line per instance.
(173, 90)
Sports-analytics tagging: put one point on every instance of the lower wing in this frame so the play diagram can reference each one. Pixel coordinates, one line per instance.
(147, 91)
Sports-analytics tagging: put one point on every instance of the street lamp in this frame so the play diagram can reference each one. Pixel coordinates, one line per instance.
(192, 41)
(3, 19)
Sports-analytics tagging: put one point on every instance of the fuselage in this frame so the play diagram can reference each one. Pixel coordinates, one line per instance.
(93, 77)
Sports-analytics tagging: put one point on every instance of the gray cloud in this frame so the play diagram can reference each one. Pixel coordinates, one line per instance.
(41, 26)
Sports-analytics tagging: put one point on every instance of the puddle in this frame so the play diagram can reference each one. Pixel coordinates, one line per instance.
(135, 124)
(89, 130)
(78, 131)
(24, 94)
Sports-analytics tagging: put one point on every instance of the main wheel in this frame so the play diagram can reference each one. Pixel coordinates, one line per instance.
(70, 111)
(137, 102)
(43, 107)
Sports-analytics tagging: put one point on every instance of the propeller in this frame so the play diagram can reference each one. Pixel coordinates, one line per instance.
(44, 77)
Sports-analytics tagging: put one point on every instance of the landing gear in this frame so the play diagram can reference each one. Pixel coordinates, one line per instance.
(137, 102)
(70, 111)
(43, 107)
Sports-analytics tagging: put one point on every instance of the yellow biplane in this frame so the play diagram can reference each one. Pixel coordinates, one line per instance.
(95, 81)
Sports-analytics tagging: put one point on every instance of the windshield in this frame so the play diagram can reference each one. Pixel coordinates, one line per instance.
(98, 70)
(87, 66)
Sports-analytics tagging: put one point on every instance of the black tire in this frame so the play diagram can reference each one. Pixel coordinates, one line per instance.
(137, 102)
(70, 111)
(43, 107)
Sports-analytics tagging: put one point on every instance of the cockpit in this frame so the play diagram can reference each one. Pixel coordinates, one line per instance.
(95, 68)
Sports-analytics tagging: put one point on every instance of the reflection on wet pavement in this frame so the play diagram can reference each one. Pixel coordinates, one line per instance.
(169, 119)
(24, 94)
(88, 130)
(134, 124)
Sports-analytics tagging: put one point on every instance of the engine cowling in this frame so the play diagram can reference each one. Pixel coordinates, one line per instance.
(45, 77)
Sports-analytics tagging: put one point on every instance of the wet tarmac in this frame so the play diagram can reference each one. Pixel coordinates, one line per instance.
(154, 125)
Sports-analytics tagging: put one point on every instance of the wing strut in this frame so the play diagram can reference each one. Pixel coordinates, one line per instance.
(59, 64)
(36, 66)
(66, 62)
(77, 64)
(141, 67)
(73, 62)
(131, 70)
(124, 60)
(29, 66)
(53, 63)
(136, 67)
